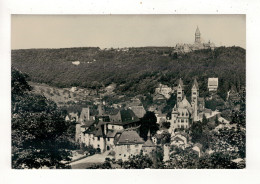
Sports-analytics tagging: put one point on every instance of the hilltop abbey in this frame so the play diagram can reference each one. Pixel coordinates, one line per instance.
(198, 44)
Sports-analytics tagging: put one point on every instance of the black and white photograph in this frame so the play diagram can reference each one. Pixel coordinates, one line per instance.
(128, 91)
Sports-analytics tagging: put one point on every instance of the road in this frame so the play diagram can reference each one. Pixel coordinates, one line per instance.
(86, 162)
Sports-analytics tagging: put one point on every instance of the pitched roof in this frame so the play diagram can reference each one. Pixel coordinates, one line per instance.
(87, 123)
(130, 137)
(128, 116)
(112, 133)
(184, 103)
(148, 143)
(139, 111)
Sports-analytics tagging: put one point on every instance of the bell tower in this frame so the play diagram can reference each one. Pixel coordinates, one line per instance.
(180, 92)
(194, 98)
(197, 36)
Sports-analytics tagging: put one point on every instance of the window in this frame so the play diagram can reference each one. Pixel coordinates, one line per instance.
(136, 145)
(113, 127)
(108, 139)
(98, 138)
(128, 146)
(179, 92)
(182, 120)
(124, 155)
(98, 145)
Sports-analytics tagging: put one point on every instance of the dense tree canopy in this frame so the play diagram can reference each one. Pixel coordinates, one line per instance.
(38, 129)
(137, 71)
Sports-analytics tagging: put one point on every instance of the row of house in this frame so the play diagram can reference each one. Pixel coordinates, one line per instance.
(118, 131)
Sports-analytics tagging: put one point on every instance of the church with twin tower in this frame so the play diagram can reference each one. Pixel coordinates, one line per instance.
(184, 112)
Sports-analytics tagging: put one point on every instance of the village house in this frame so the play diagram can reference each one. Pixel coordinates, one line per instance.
(160, 118)
(72, 116)
(103, 130)
(197, 149)
(148, 147)
(129, 144)
(139, 111)
(179, 140)
(164, 90)
(212, 84)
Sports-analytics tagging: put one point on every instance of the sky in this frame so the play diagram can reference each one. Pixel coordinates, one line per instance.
(106, 31)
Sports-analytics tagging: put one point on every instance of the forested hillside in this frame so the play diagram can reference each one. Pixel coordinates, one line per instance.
(138, 70)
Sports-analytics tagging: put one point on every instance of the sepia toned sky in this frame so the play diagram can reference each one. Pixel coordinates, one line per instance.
(105, 31)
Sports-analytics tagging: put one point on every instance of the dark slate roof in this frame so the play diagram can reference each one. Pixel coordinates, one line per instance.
(88, 123)
(112, 111)
(130, 137)
(128, 116)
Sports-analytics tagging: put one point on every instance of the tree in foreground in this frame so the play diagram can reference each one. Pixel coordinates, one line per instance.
(138, 162)
(148, 122)
(38, 129)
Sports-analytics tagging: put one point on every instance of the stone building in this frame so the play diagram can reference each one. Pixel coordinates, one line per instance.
(148, 147)
(129, 144)
(185, 112)
(198, 44)
(213, 84)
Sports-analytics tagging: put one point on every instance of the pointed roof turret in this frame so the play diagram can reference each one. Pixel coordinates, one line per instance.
(195, 83)
(197, 30)
(148, 134)
(180, 83)
(149, 143)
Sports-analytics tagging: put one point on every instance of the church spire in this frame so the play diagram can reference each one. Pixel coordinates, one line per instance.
(195, 83)
(148, 134)
(197, 36)
(197, 30)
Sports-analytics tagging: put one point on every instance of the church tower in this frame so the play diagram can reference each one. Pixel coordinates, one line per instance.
(194, 98)
(197, 36)
(180, 92)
